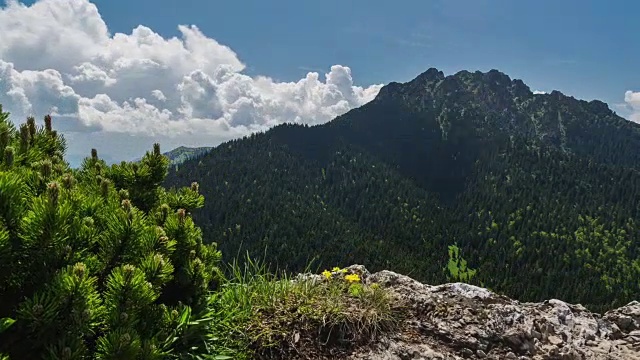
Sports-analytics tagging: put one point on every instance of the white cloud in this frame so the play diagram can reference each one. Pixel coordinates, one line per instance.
(158, 95)
(632, 99)
(121, 92)
(538, 92)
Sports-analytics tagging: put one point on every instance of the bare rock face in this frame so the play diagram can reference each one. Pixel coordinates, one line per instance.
(461, 321)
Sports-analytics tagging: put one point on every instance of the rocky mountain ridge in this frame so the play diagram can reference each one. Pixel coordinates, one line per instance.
(494, 106)
(461, 321)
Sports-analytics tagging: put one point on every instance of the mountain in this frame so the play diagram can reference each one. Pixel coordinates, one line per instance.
(181, 154)
(539, 192)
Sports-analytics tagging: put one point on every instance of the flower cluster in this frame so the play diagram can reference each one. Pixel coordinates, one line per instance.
(336, 270)
(352, 278)
(350, 282)
(328, 275)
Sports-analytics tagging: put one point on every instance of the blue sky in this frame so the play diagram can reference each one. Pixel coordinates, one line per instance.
(119, 75)
(584, 48)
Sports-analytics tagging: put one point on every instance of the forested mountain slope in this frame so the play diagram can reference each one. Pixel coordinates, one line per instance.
(538, 191)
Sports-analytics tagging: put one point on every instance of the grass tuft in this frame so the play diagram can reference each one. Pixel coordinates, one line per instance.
(261, 315)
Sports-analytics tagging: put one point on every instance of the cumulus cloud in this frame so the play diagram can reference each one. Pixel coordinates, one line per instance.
(539, 92)
(632, 99)
(122, 92)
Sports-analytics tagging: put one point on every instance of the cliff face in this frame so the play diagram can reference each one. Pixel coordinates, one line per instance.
(461, 321)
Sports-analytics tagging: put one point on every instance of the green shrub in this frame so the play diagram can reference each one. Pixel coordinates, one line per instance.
(99, 262)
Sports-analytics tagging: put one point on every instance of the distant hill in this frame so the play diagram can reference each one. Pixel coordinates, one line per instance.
(540, 192)
(183, 153)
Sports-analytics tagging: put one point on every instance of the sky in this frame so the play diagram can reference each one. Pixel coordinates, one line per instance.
(120, 75)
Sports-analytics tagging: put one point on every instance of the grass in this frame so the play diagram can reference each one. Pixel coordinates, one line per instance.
(260, 315)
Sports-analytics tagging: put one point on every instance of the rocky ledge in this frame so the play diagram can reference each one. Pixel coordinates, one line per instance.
(461, 321)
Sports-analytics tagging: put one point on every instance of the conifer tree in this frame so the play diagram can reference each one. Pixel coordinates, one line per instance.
(98, 262)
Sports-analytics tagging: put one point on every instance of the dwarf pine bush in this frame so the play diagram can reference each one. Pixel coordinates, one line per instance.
(99, 262)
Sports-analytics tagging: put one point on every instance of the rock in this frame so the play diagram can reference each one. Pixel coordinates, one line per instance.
(467, 353)
(554, 340)
(461, 321)
(627, 318)
(536, 334)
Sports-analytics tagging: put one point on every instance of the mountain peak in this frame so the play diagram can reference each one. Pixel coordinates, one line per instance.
(427, 79)
(493, 105)
(431, 75)
(497, 75)
(433, 82)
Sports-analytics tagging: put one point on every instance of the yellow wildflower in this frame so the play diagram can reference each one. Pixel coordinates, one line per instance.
(335, 269)
(327, 274)
(352, 278)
